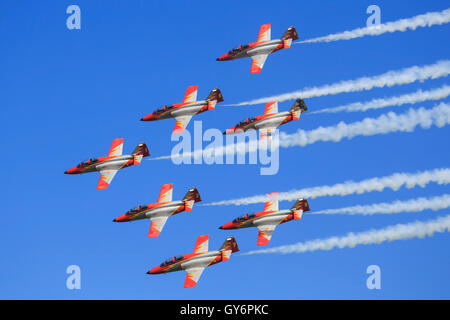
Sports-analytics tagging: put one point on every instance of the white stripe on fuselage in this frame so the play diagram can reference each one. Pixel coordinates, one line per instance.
(272, 218)
(200, 261)
(272, 121)
(264, 48)
(189, 110)
(113, 164)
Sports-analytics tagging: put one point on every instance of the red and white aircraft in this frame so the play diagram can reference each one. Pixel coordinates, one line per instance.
(267, 220)
(270, 120)
(183, 112)
(194, 263)
(113, 162)
(159, 212)
(260, 49)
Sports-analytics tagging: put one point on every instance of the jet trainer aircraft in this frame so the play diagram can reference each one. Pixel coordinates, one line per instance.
(183, 112)
(159, 212)
(113, 162)
(194, 263)
(270, 120)
(260, 49)
(267, 220)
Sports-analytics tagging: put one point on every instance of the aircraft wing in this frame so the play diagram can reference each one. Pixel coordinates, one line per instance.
(271, 107)
(264, 33)
(181, 124)
(202, 244)
(272, 204)
(165, 195)
(106, 177)
(191, 94)
(265, 233)
(258, 63)
(116, 148)
(192, 276)
(157, 225)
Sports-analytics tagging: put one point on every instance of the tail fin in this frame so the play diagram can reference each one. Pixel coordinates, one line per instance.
(215, 95)
(288, 37)
(299, 207)
(299, 104)
(301, 204)
(229, 244)
(192, 195)
(297, 108)
(141, 150)
(290, 34)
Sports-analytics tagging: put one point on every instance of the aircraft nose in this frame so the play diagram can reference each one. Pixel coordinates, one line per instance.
(220, 227)
(65, 172)
(115, 220)
(155, 270)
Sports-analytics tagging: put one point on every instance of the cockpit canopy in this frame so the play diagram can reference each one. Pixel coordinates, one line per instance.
(245, 122)
(245, 217)
(171, 261)
(86, 163)
(136, 210)
(239, 48)
(162, 109)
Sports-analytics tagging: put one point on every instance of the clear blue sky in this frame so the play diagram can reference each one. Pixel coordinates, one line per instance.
(65, 95)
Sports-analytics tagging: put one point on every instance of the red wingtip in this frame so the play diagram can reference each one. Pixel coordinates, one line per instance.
(189, 283)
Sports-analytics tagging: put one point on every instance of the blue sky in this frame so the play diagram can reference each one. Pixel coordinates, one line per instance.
(66, 94)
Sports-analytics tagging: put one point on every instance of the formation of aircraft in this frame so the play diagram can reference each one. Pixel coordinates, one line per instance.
(270, 120)
(260, 49)
(194, 263)
(267, 220)
(159, 212)
(184, 111)
(113, 162)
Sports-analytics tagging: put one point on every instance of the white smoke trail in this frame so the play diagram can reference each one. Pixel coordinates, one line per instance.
(411, 98)
(388, 79)
(412, 205)
(391, 122)
(417, 229)
(423, 20)
(438, 116)
(394, 182)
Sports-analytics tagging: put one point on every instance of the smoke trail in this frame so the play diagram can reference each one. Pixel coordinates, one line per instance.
(411, 98)
(390, 122)
(406, 231)
(412, 205)
(393, 182)
(388, 79)
(423, 20)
